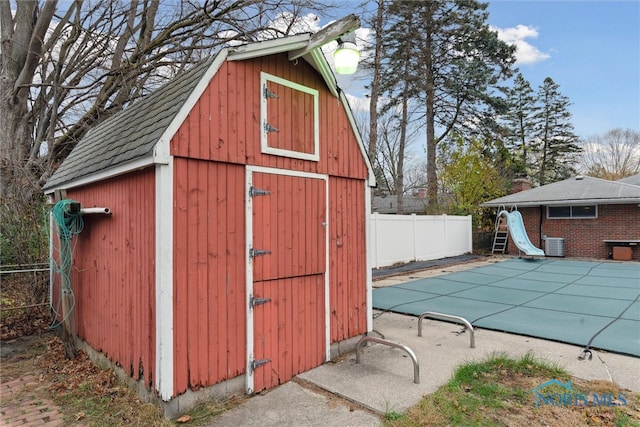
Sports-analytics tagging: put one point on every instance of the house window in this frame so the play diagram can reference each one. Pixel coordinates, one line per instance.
(586, 211)
(289, 119)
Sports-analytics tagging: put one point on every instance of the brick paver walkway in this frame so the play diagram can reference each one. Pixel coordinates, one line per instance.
(26, 411)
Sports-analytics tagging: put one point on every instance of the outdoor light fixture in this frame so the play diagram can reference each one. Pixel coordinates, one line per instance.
(346, 57)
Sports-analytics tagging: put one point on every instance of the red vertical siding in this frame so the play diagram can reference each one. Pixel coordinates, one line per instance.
(209, 273)
(114, 272)
(347, 255)
(230, 108)
(289, 223)
(289, 330)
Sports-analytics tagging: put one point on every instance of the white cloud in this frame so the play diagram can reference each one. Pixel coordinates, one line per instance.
(526, 53)
(358, 103)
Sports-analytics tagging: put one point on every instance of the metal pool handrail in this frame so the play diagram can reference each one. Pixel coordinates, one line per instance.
(434, 315)
(414, 359)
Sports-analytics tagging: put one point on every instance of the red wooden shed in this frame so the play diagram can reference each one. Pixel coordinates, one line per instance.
(235, 252)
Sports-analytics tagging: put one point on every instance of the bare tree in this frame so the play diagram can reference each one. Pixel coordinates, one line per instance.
(614, 155)
(376, 64)
(63, 71)
(391, 154)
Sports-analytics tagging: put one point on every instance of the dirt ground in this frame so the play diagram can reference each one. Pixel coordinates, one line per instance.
(33, 370)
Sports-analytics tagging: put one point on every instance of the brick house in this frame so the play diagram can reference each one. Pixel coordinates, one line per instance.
(596, 218)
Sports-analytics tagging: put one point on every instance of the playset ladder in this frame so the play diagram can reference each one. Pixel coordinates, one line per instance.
(501, 238)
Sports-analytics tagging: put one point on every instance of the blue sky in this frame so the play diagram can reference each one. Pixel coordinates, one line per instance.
(591, 49)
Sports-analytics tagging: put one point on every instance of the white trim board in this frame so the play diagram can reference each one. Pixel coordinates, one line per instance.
(164, 280)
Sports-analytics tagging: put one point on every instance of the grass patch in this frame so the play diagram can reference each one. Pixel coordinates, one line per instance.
(499, 392)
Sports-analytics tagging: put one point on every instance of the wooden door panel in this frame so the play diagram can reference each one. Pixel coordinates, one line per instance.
(290, 223)
(289, 330)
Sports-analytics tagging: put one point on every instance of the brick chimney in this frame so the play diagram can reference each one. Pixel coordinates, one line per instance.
(520, 184)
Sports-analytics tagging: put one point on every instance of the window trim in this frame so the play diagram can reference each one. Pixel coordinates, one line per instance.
(264, 143)
(571, 216)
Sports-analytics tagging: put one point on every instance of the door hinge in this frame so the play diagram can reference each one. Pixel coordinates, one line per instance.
(268, 94)
(253, 301)
(253, 192)
(269, 128)
(257, 363)
(258, 252)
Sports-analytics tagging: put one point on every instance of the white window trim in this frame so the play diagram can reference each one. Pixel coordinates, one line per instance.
(264, 143)
(571, 216)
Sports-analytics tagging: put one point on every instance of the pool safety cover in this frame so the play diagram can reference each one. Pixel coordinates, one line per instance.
(586, 303)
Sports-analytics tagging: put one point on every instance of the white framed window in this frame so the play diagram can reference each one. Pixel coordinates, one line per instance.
(572, 212)
(289, 116)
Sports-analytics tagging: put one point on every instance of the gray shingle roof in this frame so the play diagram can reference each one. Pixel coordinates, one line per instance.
(131, 134)
(572, 191)
(389, 204)
(633, 180)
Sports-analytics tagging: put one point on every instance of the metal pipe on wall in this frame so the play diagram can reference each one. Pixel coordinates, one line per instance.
(86, 211)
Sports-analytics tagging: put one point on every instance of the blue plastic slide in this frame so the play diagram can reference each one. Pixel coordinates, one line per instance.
(519, 234)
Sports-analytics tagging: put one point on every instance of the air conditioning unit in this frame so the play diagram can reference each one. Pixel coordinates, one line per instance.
(554, 246)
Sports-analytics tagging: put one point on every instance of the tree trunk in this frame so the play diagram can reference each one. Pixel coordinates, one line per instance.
(18, 184)
(375, 86)
(403, 143)
(432, 177)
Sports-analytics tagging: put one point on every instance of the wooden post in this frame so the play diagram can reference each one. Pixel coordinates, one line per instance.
(67, 332)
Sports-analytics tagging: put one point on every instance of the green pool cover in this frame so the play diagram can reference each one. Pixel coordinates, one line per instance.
(590, 304)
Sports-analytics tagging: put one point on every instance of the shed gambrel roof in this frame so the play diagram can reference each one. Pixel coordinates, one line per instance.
(139, 136)
(573, 191)
(131, 134)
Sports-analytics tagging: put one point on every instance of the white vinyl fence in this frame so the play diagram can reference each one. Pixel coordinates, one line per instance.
(404, 238)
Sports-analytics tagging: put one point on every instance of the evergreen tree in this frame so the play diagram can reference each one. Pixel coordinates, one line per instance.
(395, 80)
(455, 64)
(554, 131)
(519, 119)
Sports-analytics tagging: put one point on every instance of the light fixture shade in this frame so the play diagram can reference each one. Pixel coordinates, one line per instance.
(346, 58)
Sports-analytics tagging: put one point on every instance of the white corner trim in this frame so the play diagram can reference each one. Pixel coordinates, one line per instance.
(325, 70)
(327, 274)
(367, 246)
(249, 380)
(164, 280)
(363, 150)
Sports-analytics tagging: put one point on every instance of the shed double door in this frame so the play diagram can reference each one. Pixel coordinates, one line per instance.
(288, 259)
